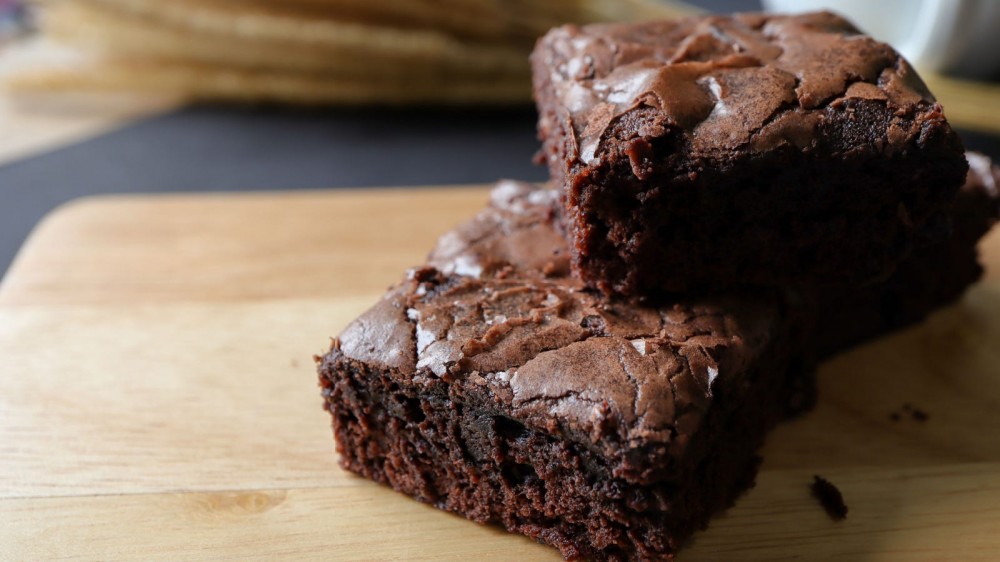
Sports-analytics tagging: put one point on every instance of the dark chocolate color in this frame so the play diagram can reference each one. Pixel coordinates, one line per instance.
(713, 152)
(943, 264)
(614, 377)
(831, 319)
(493, 384)
(513, 395)
(829, 497)
(608, 430)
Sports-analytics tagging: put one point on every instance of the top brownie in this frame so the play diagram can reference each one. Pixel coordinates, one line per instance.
(711, 152)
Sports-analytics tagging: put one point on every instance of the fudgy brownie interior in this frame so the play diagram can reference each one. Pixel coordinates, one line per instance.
(716, 152)
(608, 429)
(494, 385)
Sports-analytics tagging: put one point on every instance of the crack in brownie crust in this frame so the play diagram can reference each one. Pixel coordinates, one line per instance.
(617, 378)
(703, 153)
(608, 430)
(513, 395)
(494, 385)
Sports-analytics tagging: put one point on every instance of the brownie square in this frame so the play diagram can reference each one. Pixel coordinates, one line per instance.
(519, 234)
(609, 430)
(943, 265)
(494, 385)
(707, 153)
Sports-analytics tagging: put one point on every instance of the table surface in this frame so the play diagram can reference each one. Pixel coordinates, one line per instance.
(158, 399)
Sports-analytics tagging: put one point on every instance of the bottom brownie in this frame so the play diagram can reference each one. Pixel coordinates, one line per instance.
(491, 384)
(450, 444)
(941, 268)
(609, 430)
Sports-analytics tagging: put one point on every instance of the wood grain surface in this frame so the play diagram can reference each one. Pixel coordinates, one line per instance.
(158, 399)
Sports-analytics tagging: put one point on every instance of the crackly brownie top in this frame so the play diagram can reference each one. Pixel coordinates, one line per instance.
(516, 232)
(730, 81)
(550, 353)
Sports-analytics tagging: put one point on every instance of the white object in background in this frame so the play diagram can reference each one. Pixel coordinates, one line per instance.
(951, 36)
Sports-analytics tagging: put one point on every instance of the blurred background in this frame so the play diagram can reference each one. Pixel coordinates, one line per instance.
(132, 96)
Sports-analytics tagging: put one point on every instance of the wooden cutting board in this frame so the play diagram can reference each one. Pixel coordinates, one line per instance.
(158, 400)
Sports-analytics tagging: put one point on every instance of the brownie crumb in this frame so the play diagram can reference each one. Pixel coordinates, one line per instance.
(911, 410)
(829, 497)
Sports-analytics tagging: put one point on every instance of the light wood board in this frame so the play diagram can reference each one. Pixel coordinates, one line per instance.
(158, 399)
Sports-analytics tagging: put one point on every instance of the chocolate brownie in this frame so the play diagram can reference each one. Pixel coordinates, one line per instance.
(607, 429)
(493, 384)
(700, 154)
(519, 232)
(942, 266)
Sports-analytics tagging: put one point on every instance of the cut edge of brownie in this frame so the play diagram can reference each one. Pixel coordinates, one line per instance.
(448, 442)
(750, 211)
(468, 459)
(944, 263)
(456, 442)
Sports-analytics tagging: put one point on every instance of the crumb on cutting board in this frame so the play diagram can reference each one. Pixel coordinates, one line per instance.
(829, 497)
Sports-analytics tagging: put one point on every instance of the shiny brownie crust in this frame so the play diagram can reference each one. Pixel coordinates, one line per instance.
(494, 385)
(706, 153)
(609, 430)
